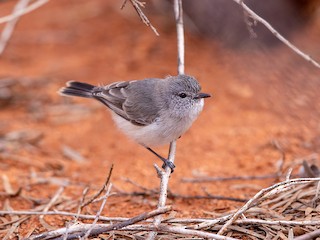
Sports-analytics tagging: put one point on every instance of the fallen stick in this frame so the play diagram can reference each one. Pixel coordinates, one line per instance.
(76, 231)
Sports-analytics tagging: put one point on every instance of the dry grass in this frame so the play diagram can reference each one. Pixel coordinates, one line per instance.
(282, 211)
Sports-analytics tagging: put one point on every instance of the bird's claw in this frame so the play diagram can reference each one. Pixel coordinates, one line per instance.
(167, 163)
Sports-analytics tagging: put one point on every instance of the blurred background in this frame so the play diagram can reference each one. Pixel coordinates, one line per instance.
(266, 98)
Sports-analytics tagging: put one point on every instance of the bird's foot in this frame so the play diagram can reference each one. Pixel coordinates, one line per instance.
(167, 163)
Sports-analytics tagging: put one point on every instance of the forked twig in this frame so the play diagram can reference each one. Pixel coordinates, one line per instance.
(137, 5)
(24, 11)
(20, 9)
(8, 29)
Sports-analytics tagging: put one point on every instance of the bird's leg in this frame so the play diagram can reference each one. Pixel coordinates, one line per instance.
(166, 162)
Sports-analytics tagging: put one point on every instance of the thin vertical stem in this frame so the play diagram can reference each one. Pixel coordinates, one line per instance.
(178, 12)
(165, 175)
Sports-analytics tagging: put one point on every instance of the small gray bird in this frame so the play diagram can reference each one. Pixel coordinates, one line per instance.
(152, 111)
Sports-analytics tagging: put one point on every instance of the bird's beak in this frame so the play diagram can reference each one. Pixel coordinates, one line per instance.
(202, 95)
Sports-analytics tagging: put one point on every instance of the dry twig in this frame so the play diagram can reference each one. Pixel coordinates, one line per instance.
(79, 230)
(48, 206)
(256, 17)
(284, 206)
(9, 192)
(165, 175)
(19, 10)
(178, 12)
(83, 196)
(100, 191)
(309, 236)
(73, 154)
(177, 230)
(267, 192)
(88, 233)
(24, 11)
(137, 6)
(8, 29)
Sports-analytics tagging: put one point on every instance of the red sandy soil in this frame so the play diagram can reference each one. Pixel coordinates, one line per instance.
(259, 97)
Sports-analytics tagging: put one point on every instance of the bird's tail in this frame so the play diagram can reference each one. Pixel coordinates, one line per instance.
(78, 89)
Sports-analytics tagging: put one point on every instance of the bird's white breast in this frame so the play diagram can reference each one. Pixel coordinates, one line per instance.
(164, 130)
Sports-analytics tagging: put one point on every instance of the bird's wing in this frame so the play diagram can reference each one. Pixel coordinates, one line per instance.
(122, 99)
(142, 103)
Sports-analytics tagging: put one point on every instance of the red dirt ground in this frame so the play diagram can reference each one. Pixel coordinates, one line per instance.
(259, 97)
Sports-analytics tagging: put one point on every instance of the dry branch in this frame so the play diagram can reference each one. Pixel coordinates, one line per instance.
(24, 11)
(256, 17)
(20, 9)
(309, 236)
(135, 228)
(8, 29)
(137, 6)
(77, 231)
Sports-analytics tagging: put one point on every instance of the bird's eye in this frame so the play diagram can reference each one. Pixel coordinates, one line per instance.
(182, 95)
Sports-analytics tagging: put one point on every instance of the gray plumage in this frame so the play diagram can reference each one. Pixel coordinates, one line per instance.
(151, 111)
